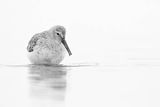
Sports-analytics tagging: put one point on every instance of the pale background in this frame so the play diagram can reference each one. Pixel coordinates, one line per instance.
(120, 36)
(100, 31)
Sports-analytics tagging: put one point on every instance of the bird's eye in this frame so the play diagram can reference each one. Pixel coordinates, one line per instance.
(58, 34)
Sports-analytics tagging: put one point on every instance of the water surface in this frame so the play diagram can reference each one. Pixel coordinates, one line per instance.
(79, 85)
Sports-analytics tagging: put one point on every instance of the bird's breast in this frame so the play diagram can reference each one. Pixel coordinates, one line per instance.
(47, 52)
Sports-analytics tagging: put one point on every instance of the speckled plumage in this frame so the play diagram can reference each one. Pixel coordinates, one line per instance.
(46, 47)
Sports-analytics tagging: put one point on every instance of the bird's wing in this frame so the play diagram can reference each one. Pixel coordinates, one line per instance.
(34, 40)
(32, 43)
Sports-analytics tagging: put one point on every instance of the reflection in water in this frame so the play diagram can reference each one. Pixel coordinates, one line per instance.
(48, 82)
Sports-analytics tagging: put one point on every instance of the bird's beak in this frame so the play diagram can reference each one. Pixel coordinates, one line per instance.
(66, 46)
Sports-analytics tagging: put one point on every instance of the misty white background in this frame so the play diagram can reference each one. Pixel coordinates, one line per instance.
(115, 33)
(101, 31)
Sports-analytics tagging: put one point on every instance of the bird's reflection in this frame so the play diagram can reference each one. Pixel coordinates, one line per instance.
(48, 81)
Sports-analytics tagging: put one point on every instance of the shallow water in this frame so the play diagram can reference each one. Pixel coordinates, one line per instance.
(79, 85)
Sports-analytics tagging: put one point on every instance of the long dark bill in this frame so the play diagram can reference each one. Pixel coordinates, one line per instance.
(66, 46)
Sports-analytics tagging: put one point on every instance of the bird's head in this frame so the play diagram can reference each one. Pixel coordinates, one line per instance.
(59, 33)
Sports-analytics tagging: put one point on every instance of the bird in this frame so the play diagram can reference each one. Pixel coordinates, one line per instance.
(48, 47)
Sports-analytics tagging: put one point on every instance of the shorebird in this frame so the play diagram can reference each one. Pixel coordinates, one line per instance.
(48, 47)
